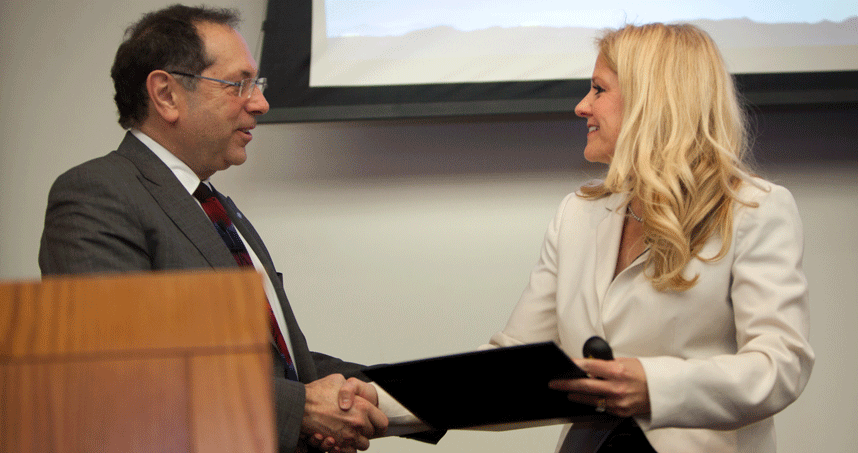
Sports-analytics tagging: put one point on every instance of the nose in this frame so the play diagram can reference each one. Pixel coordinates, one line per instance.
(583, 107)
(257, 105)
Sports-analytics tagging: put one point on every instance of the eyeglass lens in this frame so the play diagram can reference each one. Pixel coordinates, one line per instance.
(247, 86)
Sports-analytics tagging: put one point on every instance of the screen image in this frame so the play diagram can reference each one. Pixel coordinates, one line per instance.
(403, 42)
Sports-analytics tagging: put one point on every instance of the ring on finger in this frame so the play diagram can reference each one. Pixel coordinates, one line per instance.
(601, 405)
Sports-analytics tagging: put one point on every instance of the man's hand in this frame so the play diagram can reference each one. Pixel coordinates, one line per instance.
(342, 429)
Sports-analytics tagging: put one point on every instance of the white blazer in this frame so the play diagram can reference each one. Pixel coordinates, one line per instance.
(720, 358)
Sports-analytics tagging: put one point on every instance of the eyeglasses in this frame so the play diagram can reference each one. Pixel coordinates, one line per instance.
(245, 87)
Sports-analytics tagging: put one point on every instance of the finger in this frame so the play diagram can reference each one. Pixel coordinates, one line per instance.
(604, 369)
(600, 403)
(582, 385)
(361, 443)
(594, 368)
(316, 440)
(589, 400)
(379, 421)
(346, 395)
(371, 421)
(328, 444)
(561, 384)
(365, 390)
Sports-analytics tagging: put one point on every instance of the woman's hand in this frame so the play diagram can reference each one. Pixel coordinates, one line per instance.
(618, 386)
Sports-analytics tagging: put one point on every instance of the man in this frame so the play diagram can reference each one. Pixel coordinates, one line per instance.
(187, 91)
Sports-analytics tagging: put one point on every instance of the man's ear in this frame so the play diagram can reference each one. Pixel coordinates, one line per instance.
(164, 98)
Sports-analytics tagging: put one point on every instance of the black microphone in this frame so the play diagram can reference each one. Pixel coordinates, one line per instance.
(597, 348)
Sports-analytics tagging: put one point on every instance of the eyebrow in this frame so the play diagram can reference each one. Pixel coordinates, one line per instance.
(598, 80)
(243, 74)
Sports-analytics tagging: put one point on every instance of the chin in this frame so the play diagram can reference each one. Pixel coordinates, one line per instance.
(597, 158)
(236, 157)
(598, 154)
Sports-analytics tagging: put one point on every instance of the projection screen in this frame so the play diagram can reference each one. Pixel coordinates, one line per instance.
(351, 59)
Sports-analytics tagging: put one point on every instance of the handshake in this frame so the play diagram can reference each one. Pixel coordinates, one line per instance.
(341, 415)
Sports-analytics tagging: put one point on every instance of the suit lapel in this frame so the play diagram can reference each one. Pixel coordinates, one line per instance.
(176, 202)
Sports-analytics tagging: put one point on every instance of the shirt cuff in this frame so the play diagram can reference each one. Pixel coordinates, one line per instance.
(402, 421)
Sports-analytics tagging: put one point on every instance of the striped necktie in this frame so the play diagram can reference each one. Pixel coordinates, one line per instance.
(222, 223)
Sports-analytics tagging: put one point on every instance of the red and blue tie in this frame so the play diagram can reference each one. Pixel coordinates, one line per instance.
(222, 223)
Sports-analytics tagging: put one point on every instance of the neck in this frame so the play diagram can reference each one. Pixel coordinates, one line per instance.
(171, 143)
(635, 210)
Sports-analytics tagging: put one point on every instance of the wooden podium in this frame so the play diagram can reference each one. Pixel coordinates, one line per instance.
(156, 362)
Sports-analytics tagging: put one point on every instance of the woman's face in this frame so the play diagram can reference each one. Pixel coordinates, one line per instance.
(603, 109)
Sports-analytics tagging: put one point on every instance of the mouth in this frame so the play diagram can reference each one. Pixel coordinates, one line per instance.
(246, 131)
(592, 128)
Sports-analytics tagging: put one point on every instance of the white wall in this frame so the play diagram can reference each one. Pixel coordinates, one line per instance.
(398, 240)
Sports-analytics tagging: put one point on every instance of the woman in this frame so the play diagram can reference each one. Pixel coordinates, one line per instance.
(689, 266)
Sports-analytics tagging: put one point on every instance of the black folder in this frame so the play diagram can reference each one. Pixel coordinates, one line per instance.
(502, 388)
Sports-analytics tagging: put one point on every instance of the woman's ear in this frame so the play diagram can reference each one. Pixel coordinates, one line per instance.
(164, 98)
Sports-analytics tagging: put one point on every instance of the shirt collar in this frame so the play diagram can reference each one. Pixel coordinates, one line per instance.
(189, 180)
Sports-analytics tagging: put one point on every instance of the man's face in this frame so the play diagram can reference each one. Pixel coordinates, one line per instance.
(215, 124)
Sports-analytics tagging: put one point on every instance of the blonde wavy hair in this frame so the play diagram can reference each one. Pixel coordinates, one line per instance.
(682, 144)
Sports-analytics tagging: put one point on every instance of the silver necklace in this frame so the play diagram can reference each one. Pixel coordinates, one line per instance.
(632, 213)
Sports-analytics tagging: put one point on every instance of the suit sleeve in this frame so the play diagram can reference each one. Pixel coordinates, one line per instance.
(326, 365)
(289, 399)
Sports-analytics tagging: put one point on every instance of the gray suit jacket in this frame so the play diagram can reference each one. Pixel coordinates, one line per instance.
(126, 212)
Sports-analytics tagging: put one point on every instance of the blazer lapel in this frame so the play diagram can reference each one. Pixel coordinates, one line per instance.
(608, 236)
